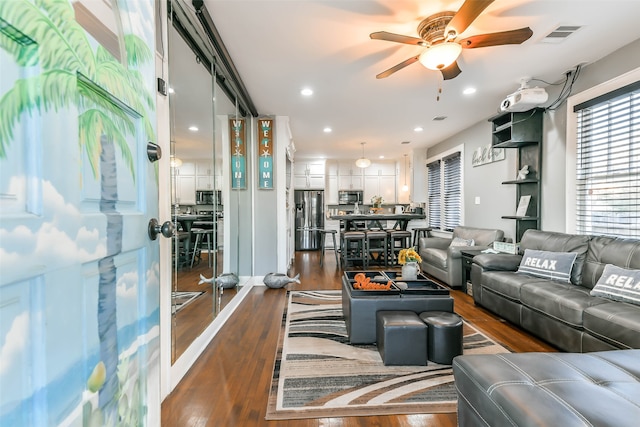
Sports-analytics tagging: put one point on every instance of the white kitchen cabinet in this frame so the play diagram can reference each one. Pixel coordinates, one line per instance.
(300, 182)
(186, 168)
(331, 168)
(331, 190)
(350, 182)
(348, 168)
(381, 168)
(384, 186)
(204, 182)
(387, 188)
(186, 190)
(204, 168)
(308, 175)
(316, 182)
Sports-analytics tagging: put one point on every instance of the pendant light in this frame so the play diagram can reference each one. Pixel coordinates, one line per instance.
(405, 187)
(363, 162)
(175, 162)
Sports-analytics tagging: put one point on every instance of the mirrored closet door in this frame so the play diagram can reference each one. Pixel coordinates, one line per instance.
(201, 198)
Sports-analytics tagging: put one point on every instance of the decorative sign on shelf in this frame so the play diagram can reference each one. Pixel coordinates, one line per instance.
(265, 163)
(238, 154)
(523, 205)
(487, 154)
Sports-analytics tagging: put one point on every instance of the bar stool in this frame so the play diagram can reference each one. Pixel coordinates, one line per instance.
(353, 247)
(201, 234)
(377, 244)
(398, 240)
(420, 232)
(323, 234)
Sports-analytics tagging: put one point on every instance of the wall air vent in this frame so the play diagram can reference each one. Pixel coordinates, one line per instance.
(560, 34)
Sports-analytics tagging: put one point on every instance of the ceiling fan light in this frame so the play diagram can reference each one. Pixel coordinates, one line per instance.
(363, 162)
(440, 56)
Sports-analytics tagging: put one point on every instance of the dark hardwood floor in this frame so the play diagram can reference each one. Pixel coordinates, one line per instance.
(189, 322)
(229, 384)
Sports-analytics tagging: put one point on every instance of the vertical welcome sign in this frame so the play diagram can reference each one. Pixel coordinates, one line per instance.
(238, 154)
(265, 164)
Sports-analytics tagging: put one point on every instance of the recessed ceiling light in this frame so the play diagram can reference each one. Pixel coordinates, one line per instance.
(469, 91)
(327, 129)
(193, 128)
(306, 92)
(418, 129)
(381, 157)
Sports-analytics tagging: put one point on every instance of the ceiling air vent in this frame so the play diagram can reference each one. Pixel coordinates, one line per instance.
(439, 118)
(560, 34)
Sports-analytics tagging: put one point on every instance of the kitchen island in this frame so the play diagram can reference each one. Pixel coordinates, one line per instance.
(350, 222)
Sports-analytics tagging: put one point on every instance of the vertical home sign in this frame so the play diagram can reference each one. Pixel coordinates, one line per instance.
(265, 163)
(238, 154)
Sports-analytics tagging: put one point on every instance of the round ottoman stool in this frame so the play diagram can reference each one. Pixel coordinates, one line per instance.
(444, 336)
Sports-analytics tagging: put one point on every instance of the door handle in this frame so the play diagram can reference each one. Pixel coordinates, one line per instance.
(155, 228)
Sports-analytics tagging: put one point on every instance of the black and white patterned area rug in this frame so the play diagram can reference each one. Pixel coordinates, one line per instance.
(318, 374)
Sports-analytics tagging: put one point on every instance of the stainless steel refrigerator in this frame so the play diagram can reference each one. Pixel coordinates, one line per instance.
(309, 217)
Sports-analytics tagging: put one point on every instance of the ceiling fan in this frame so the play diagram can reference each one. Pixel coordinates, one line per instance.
(439, 32)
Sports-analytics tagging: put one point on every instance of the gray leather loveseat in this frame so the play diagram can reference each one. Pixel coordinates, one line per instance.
(564, 313)
(441, 256)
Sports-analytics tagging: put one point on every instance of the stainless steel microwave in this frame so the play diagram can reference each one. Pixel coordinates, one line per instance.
(349, 197)
(206, 197)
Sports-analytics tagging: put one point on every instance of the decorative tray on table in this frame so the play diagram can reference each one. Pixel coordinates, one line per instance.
(395, 283)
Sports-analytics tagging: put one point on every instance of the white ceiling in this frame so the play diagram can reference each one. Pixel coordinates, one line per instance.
(281, 46)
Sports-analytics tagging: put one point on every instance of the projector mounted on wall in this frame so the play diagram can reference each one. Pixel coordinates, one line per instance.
(525, 98)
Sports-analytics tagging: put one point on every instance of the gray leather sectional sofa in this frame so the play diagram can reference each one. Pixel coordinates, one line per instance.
(549, 389)
(597, 388)
(563, 314)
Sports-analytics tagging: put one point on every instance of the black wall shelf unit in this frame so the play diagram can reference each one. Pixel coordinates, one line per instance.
(523, 131)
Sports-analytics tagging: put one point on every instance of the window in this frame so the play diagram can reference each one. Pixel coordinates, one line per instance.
(444, 184)
(608, 164)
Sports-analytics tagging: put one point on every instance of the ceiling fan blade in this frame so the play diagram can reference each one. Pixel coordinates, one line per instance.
(397, 67)
(451, 71)
(398, 38)
(466, 15)
(496, 39)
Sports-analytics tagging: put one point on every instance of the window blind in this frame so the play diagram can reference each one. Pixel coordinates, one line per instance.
(444, 184)
(608, 167)
(452, 192)
(435, 194)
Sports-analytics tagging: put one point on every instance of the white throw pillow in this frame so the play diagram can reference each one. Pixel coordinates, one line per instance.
(459, 241)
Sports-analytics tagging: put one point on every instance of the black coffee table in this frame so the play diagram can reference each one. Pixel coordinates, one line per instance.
(360, 306)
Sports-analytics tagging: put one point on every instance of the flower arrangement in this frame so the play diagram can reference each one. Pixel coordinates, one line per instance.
(408, 255)
(377, 201)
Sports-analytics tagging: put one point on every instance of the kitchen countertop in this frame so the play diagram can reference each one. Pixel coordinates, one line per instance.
(402, 220)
